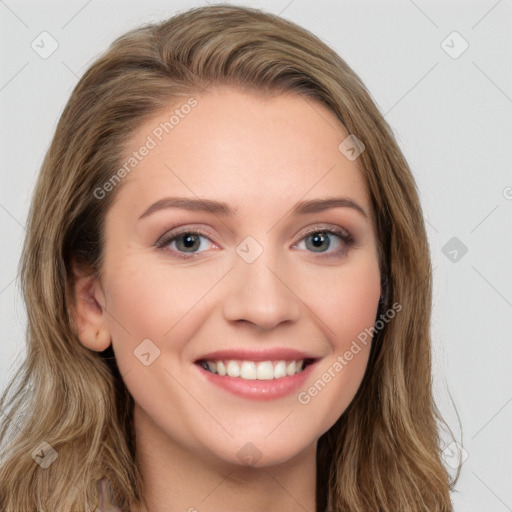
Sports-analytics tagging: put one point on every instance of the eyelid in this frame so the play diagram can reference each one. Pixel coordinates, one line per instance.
(346, 241)
(175, 231)
(330, 228)
(172, 233)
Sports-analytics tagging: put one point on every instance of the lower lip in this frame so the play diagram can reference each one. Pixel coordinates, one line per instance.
(259, 389)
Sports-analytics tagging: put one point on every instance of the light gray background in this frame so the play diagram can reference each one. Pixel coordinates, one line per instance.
(452, 117)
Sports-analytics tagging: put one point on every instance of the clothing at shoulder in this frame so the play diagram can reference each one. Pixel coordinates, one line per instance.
(106, 502)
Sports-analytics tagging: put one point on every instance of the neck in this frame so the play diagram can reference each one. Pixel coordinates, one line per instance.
(178, 479)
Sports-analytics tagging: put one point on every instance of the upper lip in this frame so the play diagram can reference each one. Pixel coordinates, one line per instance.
(257, 354)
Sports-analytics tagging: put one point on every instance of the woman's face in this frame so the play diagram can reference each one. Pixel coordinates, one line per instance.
(217, 248)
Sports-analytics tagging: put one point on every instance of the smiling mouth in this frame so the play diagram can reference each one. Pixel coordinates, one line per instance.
(255, 370)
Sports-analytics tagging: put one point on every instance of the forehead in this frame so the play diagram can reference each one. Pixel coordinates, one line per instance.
(243, 148)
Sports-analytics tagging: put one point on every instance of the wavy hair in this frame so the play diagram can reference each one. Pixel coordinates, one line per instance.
(383, 453)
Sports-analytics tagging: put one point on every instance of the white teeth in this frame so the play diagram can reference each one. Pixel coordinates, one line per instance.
(232, 369)
(265, 371)
(248, 370)
(212, 366)
(251, 370)
(280, 370)
(221, 369)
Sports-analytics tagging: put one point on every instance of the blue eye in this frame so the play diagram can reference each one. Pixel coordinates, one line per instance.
(328, 242)
(185, 244)
(325, 242)
(188, 242)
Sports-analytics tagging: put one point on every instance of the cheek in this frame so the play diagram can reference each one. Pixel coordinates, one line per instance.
(155, 303)
(347, 308)
(353, 310)
(345, 300)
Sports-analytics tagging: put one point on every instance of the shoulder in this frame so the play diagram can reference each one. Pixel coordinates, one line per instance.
(106, 502)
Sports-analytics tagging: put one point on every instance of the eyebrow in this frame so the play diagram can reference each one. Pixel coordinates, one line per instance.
(223, 209)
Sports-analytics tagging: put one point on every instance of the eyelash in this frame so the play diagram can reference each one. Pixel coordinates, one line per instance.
(344, 236)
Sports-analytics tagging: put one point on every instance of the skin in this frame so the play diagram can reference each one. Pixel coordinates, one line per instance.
(260, 156)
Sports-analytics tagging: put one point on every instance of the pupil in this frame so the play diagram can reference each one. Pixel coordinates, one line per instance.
(190, 241)
(318, 239)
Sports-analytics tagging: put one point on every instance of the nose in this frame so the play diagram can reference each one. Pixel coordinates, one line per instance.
(259, 293)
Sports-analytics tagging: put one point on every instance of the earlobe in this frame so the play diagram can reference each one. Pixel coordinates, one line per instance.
(88, 311)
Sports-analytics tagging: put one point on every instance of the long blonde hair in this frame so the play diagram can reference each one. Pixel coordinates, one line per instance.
(383, 454)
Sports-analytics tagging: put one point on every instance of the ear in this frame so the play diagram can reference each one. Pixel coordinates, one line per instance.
(88, 310)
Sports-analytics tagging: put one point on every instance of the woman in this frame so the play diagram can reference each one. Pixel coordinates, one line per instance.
(228, 287)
